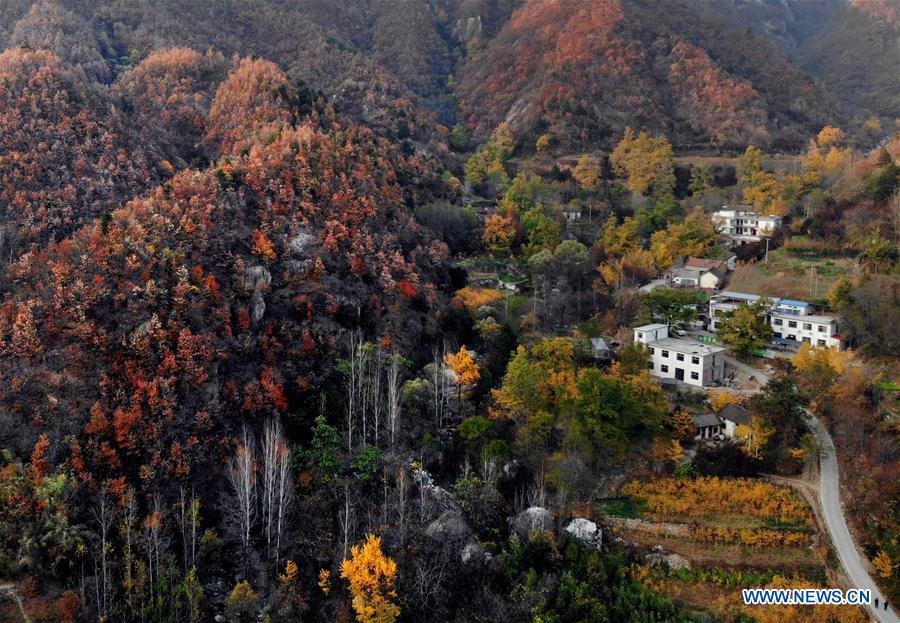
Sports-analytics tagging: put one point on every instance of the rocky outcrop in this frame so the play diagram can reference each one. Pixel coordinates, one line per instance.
(586, 532)
(672, 560)
(530, 519)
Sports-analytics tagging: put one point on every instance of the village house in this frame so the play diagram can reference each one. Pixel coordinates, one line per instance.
(741, 224)
(684, 360)
(727, 301)
(723, 266)
(707, 426)
(733, 416)
(600, 349)
(694, 277)
(792, 321)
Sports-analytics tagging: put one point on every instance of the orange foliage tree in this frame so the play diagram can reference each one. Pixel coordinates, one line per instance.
(371, 575)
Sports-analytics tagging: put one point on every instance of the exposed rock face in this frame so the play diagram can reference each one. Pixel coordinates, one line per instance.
(300, 242)
(449, 526)
(468, 28)
(533, 518)
(674, 561)
(586, 531)
(257, 306)
(257, 277)
(473, 553)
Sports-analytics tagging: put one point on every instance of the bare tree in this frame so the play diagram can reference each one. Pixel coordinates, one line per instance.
(401, 494)
(394, 395)
(375, 381)
(189, 523)
(440, 384)
(242, 478)
(277, 492)
(104, 517)
(127, 532)
(345, 520)
(154, 542)
(353, 369)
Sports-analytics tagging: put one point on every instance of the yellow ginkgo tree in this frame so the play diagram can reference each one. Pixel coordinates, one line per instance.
(464, 368)
(371, 575)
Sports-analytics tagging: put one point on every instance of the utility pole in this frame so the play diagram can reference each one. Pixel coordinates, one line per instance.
(767, 251)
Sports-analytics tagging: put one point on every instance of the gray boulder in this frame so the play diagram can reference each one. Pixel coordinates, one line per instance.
(449, 526)
(300, 242)
(530, 519)
(586, 532)
(257, 277)
(673, 561)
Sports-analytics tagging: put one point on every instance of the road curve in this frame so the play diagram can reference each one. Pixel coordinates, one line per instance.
(830, 500)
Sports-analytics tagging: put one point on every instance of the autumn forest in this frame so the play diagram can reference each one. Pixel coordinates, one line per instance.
(323, 310)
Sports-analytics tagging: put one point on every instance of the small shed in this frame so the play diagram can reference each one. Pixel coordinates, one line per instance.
(600, 349)
(707, 426)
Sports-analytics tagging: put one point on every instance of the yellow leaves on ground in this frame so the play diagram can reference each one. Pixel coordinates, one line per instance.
(371, 575)
(719, 496)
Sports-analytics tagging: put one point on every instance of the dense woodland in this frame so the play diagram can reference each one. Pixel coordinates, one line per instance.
(250, 364)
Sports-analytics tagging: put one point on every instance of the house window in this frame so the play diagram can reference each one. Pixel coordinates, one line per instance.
(649, 365)
(664, 368)
(807, 326)
(640, 335)
(695, 360)
(652, 351)
(679, 357)
(666, 354)
(792, 324)
(820, 342)
(778, 322)
(823, 328)
(695, 376)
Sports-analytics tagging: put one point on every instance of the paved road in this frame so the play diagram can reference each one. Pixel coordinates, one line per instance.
(830, 499)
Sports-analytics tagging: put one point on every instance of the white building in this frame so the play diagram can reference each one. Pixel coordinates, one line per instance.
(685, 360)
(727, 301)
(741, 224)
(695, 277)
(813, 329)
(732, 416)
(792, 321)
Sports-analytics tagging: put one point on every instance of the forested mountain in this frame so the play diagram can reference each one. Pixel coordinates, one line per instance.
(297, 300)
(582, 71)
(710, 75)
(852, 48)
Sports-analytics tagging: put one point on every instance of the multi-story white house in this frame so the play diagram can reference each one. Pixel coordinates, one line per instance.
(741, 224)
(685, 360)
(727, 301)
(792, 321)
(810, 328)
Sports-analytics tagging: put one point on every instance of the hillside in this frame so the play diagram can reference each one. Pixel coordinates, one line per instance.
(851, 47)
(582, 71)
